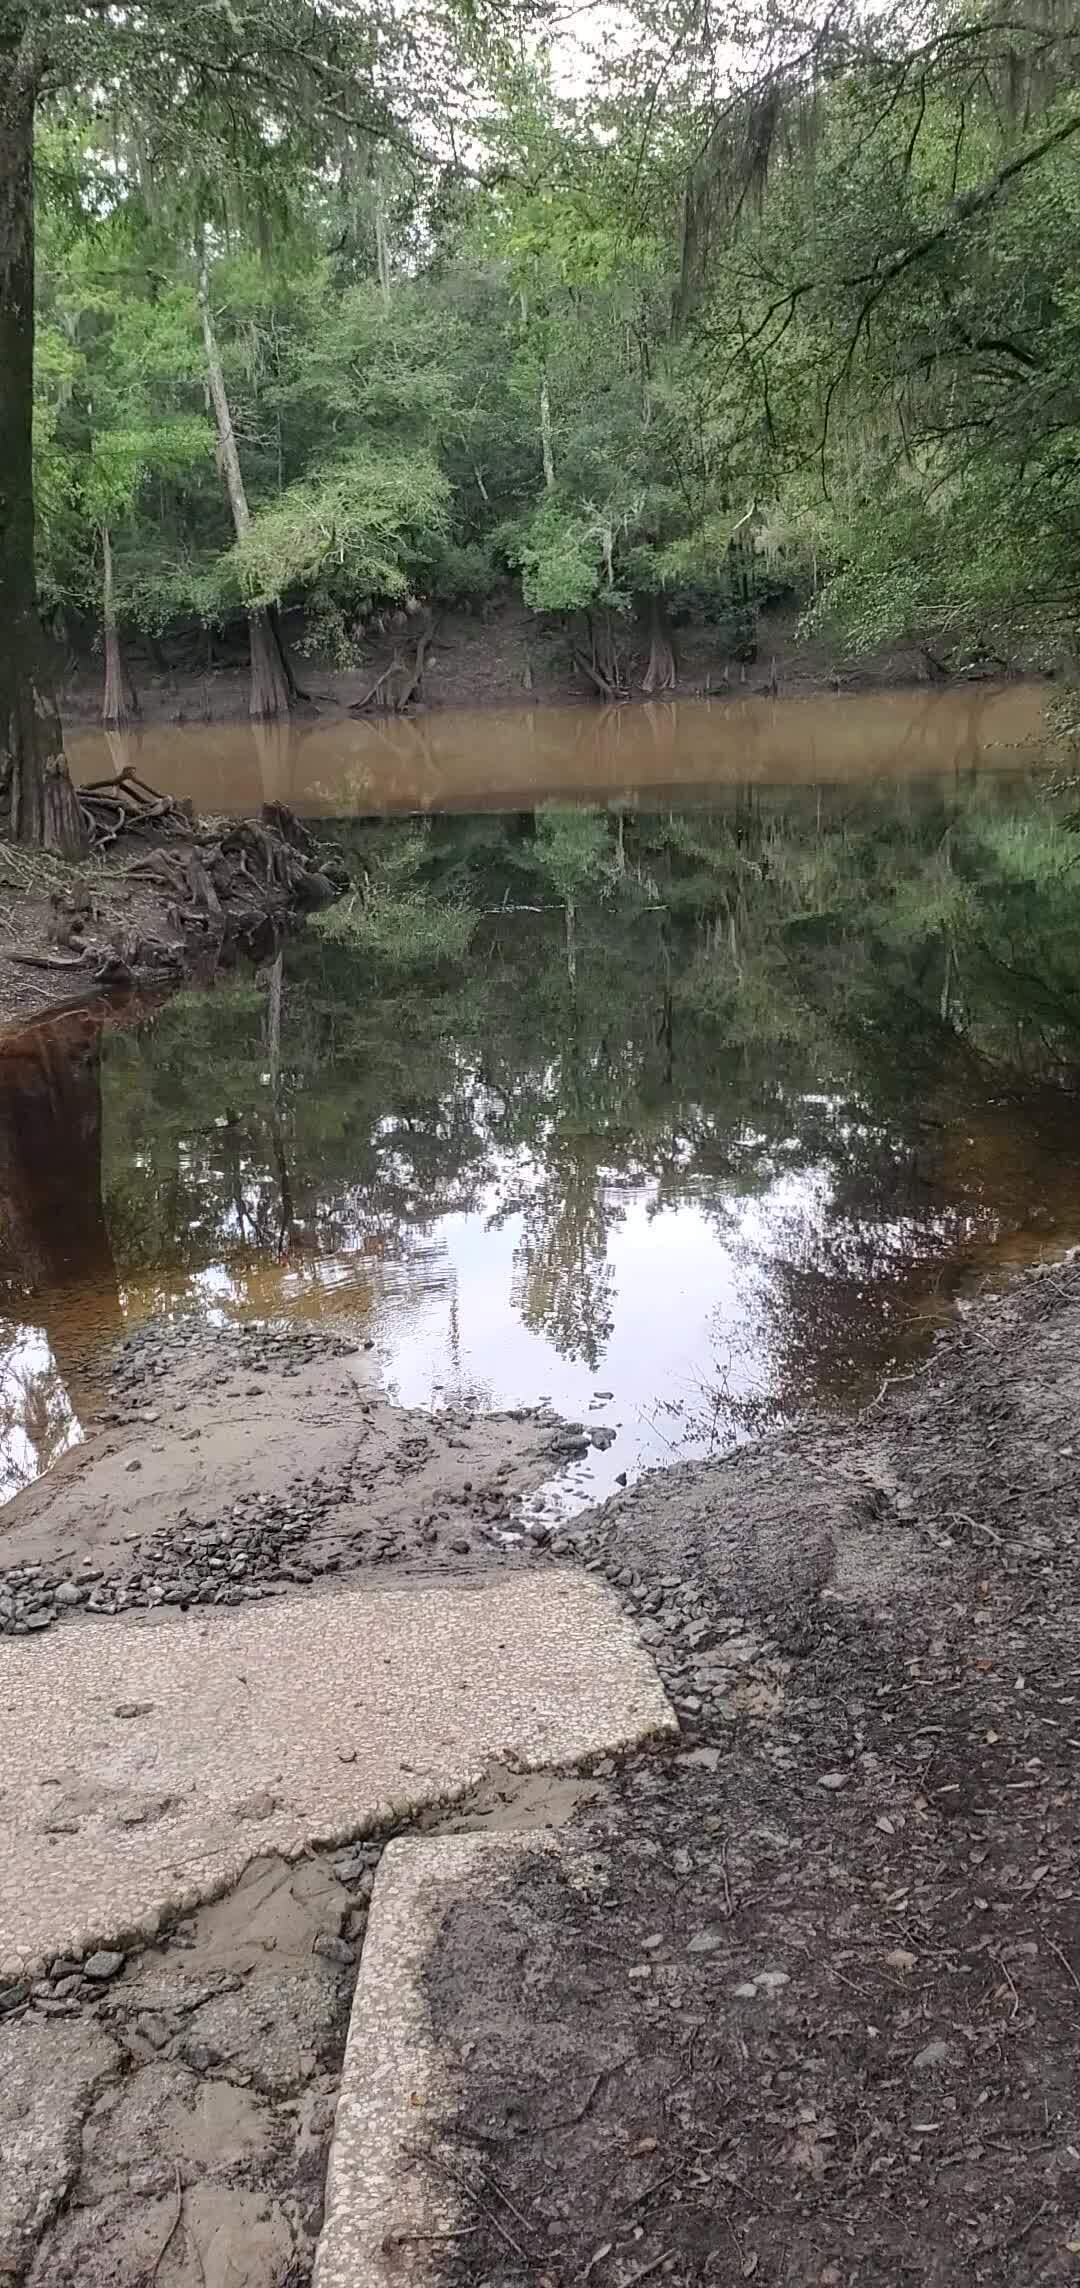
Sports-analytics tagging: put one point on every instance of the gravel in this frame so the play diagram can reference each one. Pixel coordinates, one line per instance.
(103, 1965)
(268, 1543)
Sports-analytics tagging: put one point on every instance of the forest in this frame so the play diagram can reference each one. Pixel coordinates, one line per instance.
(327, 320)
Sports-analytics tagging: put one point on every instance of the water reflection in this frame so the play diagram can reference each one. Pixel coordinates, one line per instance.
(711, 1111)
(500, 758)
(54, 1240)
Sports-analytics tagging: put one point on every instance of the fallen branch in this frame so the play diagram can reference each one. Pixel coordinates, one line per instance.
(570, 2120)
(645, 2271)
(359, 705)
(177, 2214)
(1064, 1961)
(127, 803)
(202, 888)
(32, 960)
(458, 2178)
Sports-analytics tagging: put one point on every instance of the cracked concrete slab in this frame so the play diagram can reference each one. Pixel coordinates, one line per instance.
(145, 1763)
(388, 2206)
(220, 2056)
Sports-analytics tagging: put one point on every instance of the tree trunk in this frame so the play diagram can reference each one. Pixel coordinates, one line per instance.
(274, 747)
(125, 749)
(382, 251)
(270, 693)
(546, 442)
(662, 673)
(682, 299)
(38, 803)
(274, 998)
(53, 1230)
(275, 983)
(743, 600)
(269, 680)
(120, 706)
(412, 683)
(602, 664)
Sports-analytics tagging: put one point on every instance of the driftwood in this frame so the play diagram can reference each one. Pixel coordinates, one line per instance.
(164, 865)
(275, 855)
(284, 822)
(31, 959)
(126, 804)
(252, 869)
(360, 706)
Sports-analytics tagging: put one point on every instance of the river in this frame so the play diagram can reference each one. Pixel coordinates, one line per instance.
(687, 1108)
(508, 758)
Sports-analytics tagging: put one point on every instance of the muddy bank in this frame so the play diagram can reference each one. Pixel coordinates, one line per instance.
(226, 1465)
(162, 900)
(501, 658)
(802, 1999)
(166, 2110)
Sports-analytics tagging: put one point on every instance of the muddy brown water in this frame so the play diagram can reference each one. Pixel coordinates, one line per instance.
(506, 758)
(751, 1066)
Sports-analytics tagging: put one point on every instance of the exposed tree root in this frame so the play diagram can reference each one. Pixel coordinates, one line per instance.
(401, 684)
(168, 894)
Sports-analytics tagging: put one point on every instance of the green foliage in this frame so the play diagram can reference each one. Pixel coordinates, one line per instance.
(819, 336)
(560, 558)
(395, 918)
(573, 849)
(409, 931)
(356, 526)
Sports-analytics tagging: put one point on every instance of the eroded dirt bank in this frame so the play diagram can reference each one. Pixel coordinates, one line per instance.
(802, 2002)
(501, 656)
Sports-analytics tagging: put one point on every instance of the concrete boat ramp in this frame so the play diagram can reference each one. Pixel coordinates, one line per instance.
(390, 2201)
(146, 1762)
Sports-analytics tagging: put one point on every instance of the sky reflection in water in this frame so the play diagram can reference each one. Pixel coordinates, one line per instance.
(724, 1148)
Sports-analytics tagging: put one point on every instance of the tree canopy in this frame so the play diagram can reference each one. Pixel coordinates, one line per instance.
(650, 320)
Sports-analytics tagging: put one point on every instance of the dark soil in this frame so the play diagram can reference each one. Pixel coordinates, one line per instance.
(801, 2001)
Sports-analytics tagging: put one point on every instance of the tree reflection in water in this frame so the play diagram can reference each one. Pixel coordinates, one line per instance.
(54, 1239)
(803, 1061)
